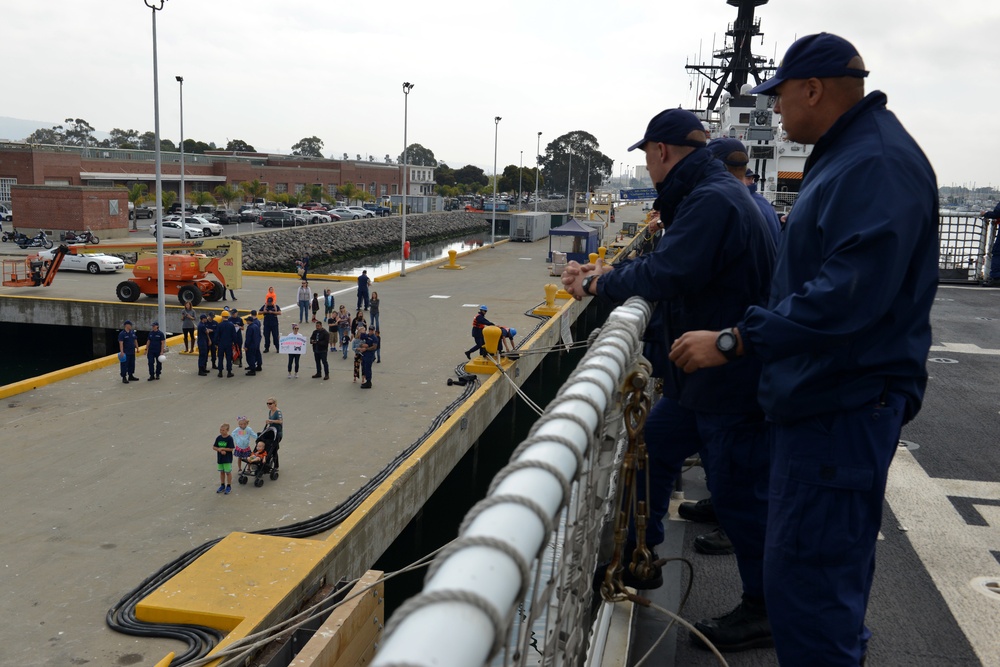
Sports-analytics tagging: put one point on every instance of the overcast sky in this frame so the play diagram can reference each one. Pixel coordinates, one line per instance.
(272, 72)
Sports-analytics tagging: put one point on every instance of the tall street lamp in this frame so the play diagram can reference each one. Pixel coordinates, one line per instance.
(520, 176)
(496, 134)
(407, 87)
(538, 166)
(157, 5)
(180, 80)
(569, 179)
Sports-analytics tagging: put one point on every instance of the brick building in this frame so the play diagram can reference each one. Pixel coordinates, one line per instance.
(32, 164)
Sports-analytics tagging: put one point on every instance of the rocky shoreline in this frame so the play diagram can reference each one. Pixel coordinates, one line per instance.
(277, 249)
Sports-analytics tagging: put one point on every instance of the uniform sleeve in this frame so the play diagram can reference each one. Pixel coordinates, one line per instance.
(685, 259)
(867, 242)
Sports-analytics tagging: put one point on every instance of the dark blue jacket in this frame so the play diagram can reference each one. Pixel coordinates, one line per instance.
(767, 210)
(225, 334)
(154, 343)
(994, 214)
(713, 261)
(253, 334)
(849, 314)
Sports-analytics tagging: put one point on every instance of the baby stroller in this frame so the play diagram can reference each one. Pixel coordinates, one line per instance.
(257, 469)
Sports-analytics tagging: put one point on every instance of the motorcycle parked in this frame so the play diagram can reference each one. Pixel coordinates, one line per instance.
(83, 237)
(13, 236)
(40, 240)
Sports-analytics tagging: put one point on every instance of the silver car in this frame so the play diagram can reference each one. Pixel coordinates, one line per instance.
(173, 229)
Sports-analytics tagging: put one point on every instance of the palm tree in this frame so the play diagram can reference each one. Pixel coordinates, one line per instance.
(169, 197)
(316, 192)
(228, 194)
(200, 198)
(253, 189)
(137, 195)
(348, 191)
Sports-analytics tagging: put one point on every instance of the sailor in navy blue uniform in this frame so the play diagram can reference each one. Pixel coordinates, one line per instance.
(226, 332)
(156, 343)
(254, 358)
(994, 275)
(127, 344)
(479, 322)
(714, 260)
(203, 343)
(733, 154)
(844, 342)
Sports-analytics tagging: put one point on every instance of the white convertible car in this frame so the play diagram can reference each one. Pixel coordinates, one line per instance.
(91, 263)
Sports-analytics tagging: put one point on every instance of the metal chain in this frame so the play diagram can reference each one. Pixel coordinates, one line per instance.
(634, 463)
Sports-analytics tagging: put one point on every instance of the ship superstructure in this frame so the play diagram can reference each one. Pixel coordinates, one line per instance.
(728, 110)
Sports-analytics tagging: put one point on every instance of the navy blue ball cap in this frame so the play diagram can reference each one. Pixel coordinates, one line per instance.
(672, 127)
(724, 147)
(817, 56)
(127, 322)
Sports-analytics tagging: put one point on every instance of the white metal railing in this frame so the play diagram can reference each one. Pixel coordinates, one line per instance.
(536, 531)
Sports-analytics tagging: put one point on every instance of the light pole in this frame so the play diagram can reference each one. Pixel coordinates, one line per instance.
(180, 80)
(407, 87)
(588, 187)
(496, 135)
(538, 165)
(161, 312)
(569, 179)
(520, 176)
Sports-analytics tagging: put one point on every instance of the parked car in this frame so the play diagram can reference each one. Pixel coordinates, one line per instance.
(6, 213)
(173, 229)
(250, 214)
(144, 212)
(362, 211)
(311, 217)
(280, 219)
(91, 263)
(210, 224)
(226, 216)
(345, 213)
(381, 211)
(313, 206)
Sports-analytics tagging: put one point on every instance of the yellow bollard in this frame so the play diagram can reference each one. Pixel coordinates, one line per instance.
(452, 254)
(592, 257)
(550, 309)
(602, 252)
(481, 364)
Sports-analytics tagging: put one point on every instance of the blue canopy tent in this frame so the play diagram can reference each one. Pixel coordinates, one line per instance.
(574, 239)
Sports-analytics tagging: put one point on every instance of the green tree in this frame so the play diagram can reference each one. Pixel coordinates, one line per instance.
(137, 195)
(556, 161)
(444, 175)
(349, 192)
(169, 197)
(316, 192)
(124, 139)
(51, 136)
(471, 175)
(309, 147)
(200, 198)
(79, 133)
(281, 198)
(240, 145)
(509, 178)
(253, 189)
(417, 154)
(227, 194)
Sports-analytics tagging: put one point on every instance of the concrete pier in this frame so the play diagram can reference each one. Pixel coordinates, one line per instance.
(111, 481)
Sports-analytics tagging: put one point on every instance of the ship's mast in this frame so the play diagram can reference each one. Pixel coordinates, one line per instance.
(738, 63)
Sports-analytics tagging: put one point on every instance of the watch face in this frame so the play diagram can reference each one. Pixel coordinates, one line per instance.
(726, 341)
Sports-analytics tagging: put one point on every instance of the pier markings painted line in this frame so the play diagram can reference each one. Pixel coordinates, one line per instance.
(963, 348)
(956, 550)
